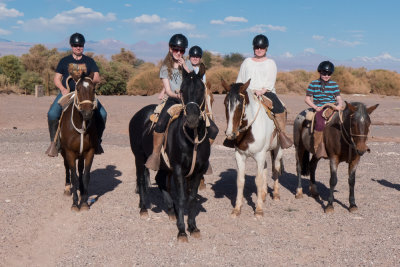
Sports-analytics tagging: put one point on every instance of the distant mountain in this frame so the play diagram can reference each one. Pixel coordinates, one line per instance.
(156, 52)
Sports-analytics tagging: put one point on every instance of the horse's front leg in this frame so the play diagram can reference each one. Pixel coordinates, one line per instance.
(260, 182)
(180, 223)
(192, 200)
(240, 161)
(352, 181)
(313, 186)
(67, 188)
(75, 180)
(334, 162)
(86, 179)
(301, 157)
(276, 158)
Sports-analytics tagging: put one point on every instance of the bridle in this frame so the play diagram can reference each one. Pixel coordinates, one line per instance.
(348, 136)
(77, 105)
(243, 100)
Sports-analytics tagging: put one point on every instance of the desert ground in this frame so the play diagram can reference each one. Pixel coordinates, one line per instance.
(38, 227)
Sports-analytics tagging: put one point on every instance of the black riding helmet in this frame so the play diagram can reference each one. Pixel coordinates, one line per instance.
(326, 66)
(77, 39)
(178, 40)
(195, 51)
(260, 41)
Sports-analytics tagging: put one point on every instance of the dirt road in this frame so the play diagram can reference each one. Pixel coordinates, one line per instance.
(39, 229)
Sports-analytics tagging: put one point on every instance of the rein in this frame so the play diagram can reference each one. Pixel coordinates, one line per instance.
(346, 135)
(77, 105)
(243, 110)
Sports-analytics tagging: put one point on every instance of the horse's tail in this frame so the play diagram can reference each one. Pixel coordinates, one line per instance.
(305, 163)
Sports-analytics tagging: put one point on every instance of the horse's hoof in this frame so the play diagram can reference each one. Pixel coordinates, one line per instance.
(74, 208)
(299, 195)
(67, 193)
(235, 213)
(329, 209)
(259, 214)
(276, 197)
(182, 238)
(84, 206)
(195, 233)
(353, 208)
(314, 192)
(144, 214)
(202, 186)
(172, 217)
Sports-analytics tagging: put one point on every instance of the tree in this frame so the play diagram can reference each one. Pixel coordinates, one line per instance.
(233, 60)
(11, 67)
(28, 81)
(125, 56)
(207, 59)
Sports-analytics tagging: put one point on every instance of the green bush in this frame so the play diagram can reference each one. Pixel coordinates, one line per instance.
(28, 81)
(11, 67)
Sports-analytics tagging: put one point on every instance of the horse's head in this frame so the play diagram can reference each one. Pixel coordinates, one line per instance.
(235, 103)
(358, 121)
(193, 90)
(85, 97)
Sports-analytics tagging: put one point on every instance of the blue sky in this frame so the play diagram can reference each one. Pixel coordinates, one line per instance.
(340, 30)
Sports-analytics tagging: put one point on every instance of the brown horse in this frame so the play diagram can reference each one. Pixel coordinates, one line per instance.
(78, 140)
(345, 138)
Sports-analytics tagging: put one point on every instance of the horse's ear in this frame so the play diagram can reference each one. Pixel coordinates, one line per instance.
(244, 87)
(91, 75)
(225, 85)
(202, 71)
(351, 107)
(184, 72)
(372, 108)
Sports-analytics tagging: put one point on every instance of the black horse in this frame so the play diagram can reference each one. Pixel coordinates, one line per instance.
(345, 138)
(187, 148)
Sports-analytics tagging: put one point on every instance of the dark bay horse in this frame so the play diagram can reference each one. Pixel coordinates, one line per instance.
(78, 139)
(253, 133)
(345, 138)
(187, 148)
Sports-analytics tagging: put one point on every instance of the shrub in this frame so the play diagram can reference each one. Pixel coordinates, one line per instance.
(215, 74)
(384, 82)
(28, 81)
(145, 82)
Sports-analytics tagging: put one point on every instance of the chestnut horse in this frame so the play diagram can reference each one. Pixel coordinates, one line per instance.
(78, 140)
(253, 134)
(345, 138)
(187, 148)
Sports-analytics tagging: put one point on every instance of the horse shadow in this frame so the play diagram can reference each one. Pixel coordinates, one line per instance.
(387, 184)
(226, 187)
(103, 181)
(155, 199)
(290, 182)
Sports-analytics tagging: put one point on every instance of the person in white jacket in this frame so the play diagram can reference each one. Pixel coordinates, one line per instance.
(262, 72)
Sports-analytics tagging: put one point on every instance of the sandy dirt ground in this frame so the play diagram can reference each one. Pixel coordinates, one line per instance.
(39, 229)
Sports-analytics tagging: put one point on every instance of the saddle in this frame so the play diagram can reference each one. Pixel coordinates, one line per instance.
(327, 114)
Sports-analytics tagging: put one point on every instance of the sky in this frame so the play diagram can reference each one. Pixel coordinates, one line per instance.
(337, 29)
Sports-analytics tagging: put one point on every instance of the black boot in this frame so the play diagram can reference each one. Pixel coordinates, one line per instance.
(100, 125)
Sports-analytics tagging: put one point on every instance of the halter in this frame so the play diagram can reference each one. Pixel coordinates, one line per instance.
(348, 136)
(243, 129)
(77, 105)
(194, 141)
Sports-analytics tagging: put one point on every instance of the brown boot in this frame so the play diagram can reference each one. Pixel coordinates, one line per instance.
(280, 123)
(319, 146)
(153, 162)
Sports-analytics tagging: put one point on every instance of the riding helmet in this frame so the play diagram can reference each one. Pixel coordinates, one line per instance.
(195, 51)
(77, 39)
(178, 40)
(260, 41)
(326, 66)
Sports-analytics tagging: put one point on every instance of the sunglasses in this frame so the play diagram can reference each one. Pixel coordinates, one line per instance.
(176, 50)
(326, 73)
(77, 45)
(258, 47)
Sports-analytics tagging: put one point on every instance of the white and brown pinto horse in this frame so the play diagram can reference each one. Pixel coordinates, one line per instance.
(253, 134)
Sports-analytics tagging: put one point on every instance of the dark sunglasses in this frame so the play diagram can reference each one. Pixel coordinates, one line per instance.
(326, 73)
(176, 50)
(77, 45)
(258, 47)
